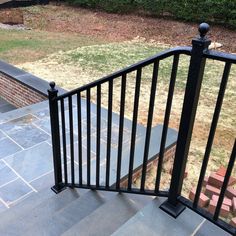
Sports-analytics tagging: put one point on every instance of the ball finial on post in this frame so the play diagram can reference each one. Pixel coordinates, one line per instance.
(203, 29)
(52, 85)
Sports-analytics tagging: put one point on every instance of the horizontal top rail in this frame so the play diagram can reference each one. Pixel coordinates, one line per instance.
(159, 56)
(220, 56)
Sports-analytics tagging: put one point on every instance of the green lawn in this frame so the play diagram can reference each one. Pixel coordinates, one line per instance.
(19, 46)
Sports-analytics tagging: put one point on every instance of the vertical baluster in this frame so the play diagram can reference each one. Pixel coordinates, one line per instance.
(121, 126)
(98, 134)
(88, 137)
(166, 120)
(226, 181)
(212, 131)
(64, 140)
(134, 127)
(79, 138)
(149, 123)
(109, 126)
(71, 141)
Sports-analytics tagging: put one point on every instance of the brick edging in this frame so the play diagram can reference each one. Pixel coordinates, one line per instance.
(21, 88)
(169, 153)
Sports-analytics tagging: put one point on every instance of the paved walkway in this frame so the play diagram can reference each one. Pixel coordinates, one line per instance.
(5, 106)
(26, 165)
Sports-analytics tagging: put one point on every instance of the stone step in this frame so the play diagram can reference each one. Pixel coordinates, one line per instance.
(151, 221)
(110, 216)
(65, 218)
(208, 228)
(45, 208)
(27, 204)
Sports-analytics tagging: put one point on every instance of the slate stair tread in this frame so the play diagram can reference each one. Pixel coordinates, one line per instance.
(110, 216)
(154, 221)
(27, 204)
(47, 207)
(66, 217)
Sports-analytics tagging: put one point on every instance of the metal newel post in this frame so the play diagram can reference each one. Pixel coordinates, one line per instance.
(55, 133)
(193, 87)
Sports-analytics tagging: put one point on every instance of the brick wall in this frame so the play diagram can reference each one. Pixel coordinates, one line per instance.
(169, 153)
(18, 94)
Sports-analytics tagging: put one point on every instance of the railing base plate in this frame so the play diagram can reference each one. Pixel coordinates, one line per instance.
(58, 189)
(173, 210)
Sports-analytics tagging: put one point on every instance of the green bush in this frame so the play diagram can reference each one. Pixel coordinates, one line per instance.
(217, 11)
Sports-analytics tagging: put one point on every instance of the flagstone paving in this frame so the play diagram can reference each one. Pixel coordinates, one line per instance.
(26, 164)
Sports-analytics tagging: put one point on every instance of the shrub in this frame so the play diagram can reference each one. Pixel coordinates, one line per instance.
(217, 11)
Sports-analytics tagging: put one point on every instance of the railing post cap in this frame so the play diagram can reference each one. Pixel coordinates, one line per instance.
(52, 84)
(52, 91)
(203, 29)
(201, 40)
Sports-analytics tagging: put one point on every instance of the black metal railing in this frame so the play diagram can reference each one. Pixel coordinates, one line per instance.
(77, 118)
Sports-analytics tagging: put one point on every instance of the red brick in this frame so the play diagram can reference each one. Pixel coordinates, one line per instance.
(211, 190)
(221, 171)
(226, 200)
(203, 199)
(230, 192)
(205, 181)
(234, 205)
(215, 180)
(232, 181)
(233, 222)
(224, 209)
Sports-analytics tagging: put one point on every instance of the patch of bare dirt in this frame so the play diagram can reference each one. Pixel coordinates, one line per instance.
(11, 16)
(116, 27)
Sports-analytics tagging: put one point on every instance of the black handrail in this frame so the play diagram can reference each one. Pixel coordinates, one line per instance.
(159, 56)
(80, 121)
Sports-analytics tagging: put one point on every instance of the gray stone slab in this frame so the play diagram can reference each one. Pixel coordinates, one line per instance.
(3, 102)
(69, 215)
(21, 209)
(210, 229)
(17, 124)
(28, 136)
(44, 113)
(160, 223)
(3, 208)
(36, 83)
(10, 70)
(48, 207)
(7, 108)
(44, 124)
(24, 111)
(14, 190)
(33, 162)
(45, 181)
(109, 217)
(2, 135)
(8, 147)
(6, 174)
(84, 153)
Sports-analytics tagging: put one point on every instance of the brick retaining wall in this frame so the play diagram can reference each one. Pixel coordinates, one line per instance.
(18, 94)
(169, 153)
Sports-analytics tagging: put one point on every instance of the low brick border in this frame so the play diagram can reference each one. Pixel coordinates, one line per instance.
(18, 94)
(20, 88)
(169, 154)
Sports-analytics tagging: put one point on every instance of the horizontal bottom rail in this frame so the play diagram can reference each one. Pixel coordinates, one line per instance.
(204, 213)
(121, 190)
